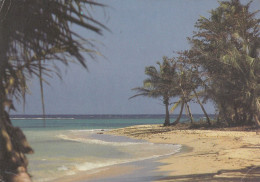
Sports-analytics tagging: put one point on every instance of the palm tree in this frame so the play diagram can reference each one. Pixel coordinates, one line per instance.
(227, 45)
(34, 35)
(189, 80)
(159, 84)
(184, 93)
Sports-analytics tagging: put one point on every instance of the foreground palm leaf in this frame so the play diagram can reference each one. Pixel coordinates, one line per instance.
(33, 34)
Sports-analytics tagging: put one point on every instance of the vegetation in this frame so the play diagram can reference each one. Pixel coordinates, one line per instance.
(223, 66)
(226, 48)
(34, 35)
(189, 86)
(174, 79)
(160, 84)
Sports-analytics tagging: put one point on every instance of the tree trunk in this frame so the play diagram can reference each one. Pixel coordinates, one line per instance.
(190, 115)
(250, 118)
(187, 105)
(167, 115)
(257, 122)
(13, 144)
(224, 114)
(180, 114)
(202, 107)
(256, 114)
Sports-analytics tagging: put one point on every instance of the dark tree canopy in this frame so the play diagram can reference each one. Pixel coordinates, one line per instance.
(35, 30)
(227, 48)
(34, 35)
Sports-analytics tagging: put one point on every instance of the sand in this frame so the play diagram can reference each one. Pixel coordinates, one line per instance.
(100, 174)
(212, 155)
(207, 156)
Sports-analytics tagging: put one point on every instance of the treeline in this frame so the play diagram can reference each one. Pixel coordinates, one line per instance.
(222, 66)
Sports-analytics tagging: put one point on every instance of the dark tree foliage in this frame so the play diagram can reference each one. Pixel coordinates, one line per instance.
(227, 49)
(34, 35)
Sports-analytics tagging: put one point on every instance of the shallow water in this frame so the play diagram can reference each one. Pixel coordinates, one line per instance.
(70, 149)
(66, 152)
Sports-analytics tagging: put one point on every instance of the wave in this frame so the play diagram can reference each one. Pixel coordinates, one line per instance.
(174, 148)
(89, 130)
(90, 165)
(101, 142)
(73, 167)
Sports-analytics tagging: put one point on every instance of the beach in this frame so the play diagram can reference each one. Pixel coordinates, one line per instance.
(72, 148)
(148, 152)
(211, 156)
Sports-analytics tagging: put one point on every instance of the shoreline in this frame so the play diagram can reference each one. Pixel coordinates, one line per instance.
(124, 169)
(215, 155)
(206, 155)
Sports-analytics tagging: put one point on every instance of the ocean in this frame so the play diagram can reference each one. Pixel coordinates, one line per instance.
(69, 144)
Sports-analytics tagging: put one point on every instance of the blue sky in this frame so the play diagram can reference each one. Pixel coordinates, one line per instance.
(142, 32)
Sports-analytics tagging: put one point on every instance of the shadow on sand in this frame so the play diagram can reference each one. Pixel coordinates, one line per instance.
(248, 174)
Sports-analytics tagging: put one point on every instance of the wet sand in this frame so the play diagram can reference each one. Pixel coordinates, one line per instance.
(208, 155)
(143, 170)
(215, 155)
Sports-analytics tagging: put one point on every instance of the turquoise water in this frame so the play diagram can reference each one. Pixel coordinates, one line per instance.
(68, 145)
(74, 124)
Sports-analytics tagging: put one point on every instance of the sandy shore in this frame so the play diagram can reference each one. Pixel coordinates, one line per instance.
(100, 174)
(214, 155)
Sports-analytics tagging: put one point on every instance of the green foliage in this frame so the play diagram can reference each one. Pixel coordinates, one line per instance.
(226, 48)
(34, 35)
(34, 31)
(189, 81)
(160, 83)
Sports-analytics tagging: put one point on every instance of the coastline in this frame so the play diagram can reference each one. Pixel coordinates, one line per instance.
(140, 158)
(206, 155)
(214, 155)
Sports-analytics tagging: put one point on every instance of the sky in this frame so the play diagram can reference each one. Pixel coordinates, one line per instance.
(141, 33)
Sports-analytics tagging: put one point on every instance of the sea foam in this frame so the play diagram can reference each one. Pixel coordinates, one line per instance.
(101, 142)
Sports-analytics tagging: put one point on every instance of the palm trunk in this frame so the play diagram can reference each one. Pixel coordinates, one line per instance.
(180, 114)
(256, 114)
(257, 122)
(2, 141)
(187, 105)
(167, 115)
(13, 163)
(13, 144)
(236, 117)
(224, 114)
(189, 111)
(202, 107)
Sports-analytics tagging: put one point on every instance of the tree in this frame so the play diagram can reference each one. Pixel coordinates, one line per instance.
(226, 46)
(190, 85)
(160, 83)
(184, 91)
(34, 35)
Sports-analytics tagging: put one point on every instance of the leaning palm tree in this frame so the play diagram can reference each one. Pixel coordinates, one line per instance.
(34, 35)
(189, 80)
(184, 87)
(160, 84)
